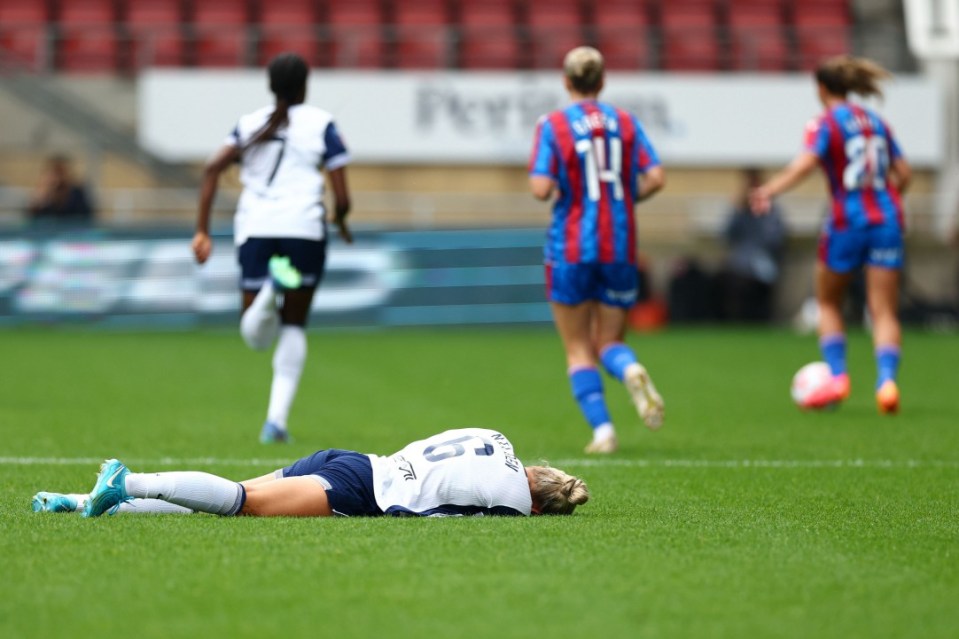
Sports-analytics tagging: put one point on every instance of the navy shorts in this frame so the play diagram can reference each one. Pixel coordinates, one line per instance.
(611, 284)
(876, 245)
(308, 256)
(347, 477)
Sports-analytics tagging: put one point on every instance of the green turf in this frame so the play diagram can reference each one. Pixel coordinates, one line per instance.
(675, 542)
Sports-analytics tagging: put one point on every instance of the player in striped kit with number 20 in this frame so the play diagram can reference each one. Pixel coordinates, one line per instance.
(867, 173)
(597, 162)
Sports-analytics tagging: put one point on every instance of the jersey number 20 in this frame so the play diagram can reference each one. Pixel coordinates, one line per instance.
(868, 159)
(602, 166)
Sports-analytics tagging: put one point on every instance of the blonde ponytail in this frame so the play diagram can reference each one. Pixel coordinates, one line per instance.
(846, 74)
(555, 492)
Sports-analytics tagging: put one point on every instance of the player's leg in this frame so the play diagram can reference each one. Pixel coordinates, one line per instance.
(617, 293)
(574, 324)
(883, 274)
(308, 257)
(193, 490)
(260, 321)
(290, 496)
(74, 503)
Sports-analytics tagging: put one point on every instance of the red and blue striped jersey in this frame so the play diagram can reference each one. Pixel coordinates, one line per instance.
(855, 148)
(594, 153)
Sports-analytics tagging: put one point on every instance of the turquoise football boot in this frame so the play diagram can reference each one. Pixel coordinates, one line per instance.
(53, 503)
(285, 276)
(109, 491)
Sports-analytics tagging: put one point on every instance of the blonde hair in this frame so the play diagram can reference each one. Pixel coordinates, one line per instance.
(845, 74)
(556, 493)
(584, 67)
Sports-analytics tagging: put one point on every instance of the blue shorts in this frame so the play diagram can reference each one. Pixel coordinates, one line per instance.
(308, 256)
(849, 249)
(347, 477)
(610, 284)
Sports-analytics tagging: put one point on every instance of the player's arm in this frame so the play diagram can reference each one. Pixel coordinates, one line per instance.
(651, 183)
(541, 186)
(900, 174)
(760, 199)
(341, 202)
(202, 244)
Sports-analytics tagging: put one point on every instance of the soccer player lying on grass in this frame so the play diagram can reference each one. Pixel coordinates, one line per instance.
(468, 471)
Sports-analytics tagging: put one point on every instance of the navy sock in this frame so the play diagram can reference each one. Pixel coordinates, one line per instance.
(616, 358)
(588, 391)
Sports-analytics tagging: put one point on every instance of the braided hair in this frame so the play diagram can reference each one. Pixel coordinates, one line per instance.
(288, 73)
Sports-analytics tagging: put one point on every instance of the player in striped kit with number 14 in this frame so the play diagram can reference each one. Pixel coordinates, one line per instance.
(597, 162)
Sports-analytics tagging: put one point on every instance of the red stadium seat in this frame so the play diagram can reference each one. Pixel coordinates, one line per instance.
(822, 31)
(554, 29)
(356, 33)
(155, 32)
(422, 34)
(24, 34)
(488, 35)
(622, 34)
(220, 29)
(87, 36)
(757, 38)
(288, 25)
(689, 35)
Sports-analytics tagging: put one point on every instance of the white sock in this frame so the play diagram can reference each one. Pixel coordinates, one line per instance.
(288, 361)
(261, 321)
(153, 507)
(193, 490)
(81, 500)
(603, 431)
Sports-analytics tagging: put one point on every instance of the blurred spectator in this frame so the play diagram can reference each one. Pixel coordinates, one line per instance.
(60, 199)
(753, 265)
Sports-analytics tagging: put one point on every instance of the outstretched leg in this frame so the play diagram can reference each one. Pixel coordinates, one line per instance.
(882, 290)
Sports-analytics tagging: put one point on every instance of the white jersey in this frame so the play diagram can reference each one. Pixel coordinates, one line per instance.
(467, 471)
(282, 183)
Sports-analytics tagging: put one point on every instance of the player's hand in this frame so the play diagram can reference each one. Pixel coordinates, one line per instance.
(202, 246)
(343, 228)
(760, 200)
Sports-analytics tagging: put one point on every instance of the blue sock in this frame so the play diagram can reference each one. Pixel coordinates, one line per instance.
(616, 357)
(833, 348)
(588, 391)
(887, 362)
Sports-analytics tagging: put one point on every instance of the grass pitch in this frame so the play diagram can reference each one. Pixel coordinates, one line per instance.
(743, 517)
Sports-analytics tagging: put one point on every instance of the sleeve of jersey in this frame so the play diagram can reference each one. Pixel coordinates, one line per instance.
(816, 138)
(646, 156)
(234, 138)
(543, 160)
(336, 156)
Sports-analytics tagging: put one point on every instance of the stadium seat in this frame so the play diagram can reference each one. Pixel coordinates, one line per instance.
(621, 29)
(220, 33)
(155, 32)
(689, 36)
(87, 36)
(421, 34)
(288, 25)
(24, 40)
(488, 35)
(821, 31)
(554, 27)
(355, 33)
(757, 38)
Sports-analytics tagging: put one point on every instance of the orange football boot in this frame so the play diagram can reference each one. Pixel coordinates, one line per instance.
(887, 398)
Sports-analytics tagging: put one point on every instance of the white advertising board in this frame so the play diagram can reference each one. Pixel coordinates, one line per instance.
(478, 118)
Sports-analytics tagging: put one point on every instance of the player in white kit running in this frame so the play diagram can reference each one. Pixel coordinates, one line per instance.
(462, 472)
(279, 226)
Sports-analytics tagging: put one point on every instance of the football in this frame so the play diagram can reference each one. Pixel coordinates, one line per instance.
(807, 380)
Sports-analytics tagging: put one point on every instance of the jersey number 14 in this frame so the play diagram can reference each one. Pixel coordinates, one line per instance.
(602, 167)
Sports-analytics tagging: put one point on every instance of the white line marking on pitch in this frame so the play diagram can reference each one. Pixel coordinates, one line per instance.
(191, 462)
